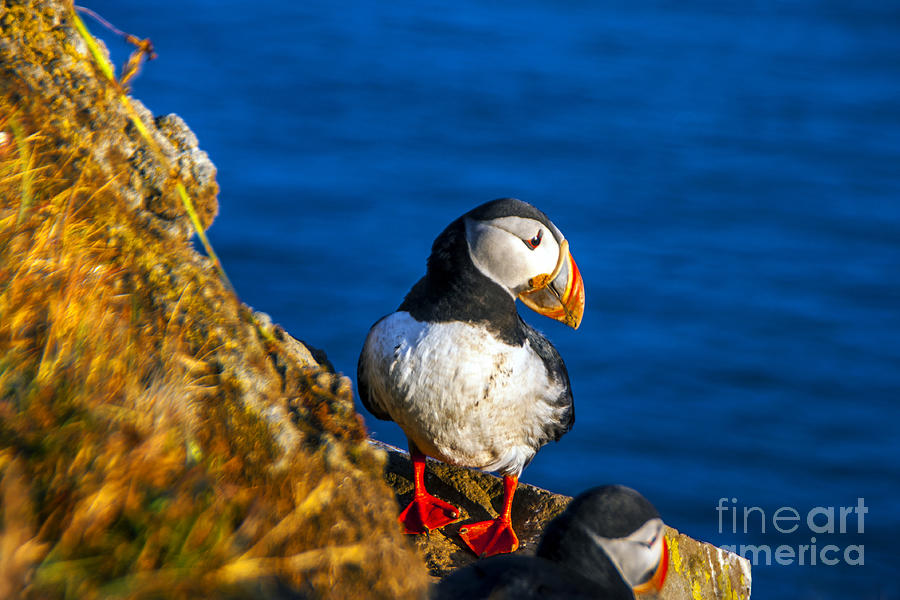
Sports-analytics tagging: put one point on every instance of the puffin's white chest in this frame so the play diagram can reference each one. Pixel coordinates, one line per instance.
(460, 394)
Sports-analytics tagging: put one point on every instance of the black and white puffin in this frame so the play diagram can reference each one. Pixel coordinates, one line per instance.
(616, 521)
(609, 543)
(468, 381)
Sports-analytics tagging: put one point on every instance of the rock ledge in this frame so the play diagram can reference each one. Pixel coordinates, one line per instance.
(697, 570)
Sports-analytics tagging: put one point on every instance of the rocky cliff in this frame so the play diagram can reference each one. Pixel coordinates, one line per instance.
(157, 437)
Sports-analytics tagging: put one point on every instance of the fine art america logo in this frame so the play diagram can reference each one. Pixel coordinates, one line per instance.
(786, 520)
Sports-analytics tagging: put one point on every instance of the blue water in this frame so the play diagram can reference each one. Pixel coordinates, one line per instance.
(728, 178)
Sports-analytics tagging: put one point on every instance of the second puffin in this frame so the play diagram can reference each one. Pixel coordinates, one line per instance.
(468, 381)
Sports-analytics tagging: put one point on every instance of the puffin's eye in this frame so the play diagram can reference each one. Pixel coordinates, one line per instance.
(536, 240)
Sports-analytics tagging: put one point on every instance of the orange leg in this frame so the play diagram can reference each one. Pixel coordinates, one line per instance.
(424, 512)
(494, 537)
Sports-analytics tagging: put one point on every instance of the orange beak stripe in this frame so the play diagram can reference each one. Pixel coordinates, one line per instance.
(573, 297)
(571, 302)
(654, 585)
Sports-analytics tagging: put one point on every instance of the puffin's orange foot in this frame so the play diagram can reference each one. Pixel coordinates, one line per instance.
(488, 538)
(427, 512)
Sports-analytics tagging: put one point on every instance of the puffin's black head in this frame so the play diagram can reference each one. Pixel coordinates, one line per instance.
(610, 521)
(518, 248)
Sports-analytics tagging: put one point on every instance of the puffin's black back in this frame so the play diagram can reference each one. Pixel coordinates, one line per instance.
(610, 511)
(513, 577)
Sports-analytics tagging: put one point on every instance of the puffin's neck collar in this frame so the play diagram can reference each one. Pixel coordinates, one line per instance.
(454, 289)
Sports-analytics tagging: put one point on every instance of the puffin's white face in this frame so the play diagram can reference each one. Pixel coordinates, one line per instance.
(512, 250)
(642, 557)
(516, 252)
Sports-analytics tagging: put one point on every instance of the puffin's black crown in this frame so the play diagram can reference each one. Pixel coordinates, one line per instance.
(507, 207)
(612, 511)
(609, 511)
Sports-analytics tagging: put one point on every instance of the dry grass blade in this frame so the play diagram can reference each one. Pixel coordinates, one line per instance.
(188, 204)
(144, 47)
(246, 568)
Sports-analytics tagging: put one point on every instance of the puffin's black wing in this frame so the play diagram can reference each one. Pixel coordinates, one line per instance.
(362, 382)
(512, 577)
(556, 368)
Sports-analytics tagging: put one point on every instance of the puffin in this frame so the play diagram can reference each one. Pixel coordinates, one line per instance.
(466, 379)
(609, 543)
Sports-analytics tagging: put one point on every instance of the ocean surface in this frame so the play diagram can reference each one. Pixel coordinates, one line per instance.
(728, 177)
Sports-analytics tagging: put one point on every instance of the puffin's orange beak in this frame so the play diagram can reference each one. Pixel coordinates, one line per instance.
(655, 583)
(559, 295)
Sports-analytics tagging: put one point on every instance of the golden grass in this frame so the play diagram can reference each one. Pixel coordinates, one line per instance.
(135, 461)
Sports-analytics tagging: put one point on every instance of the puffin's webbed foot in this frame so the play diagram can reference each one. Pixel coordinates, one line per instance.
(488, 538)
(426, 512)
